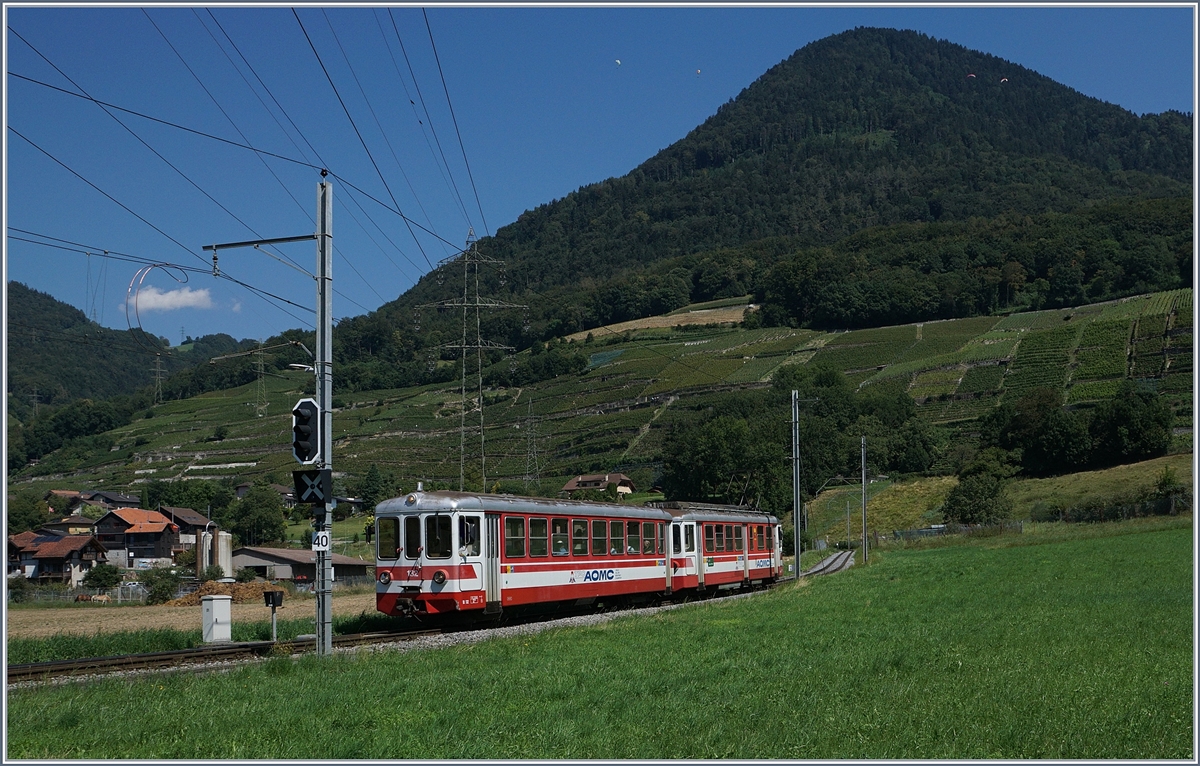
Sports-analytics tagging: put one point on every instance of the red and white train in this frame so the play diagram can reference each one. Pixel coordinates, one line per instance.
(455, 552)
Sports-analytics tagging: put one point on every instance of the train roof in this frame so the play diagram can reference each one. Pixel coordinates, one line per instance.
(685, 511)
(447, 501)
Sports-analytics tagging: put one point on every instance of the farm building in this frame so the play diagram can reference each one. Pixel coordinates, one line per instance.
(600, 482)
(294, 564)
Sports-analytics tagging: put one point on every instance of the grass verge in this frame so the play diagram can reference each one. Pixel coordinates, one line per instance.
(1077, 648)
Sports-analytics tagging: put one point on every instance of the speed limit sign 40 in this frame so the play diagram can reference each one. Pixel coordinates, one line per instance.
(320, 540)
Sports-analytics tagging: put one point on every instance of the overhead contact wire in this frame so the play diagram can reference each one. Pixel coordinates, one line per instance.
(359, 134)
(455, 121)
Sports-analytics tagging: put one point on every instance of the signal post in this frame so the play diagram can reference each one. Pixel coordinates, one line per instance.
(312, 419)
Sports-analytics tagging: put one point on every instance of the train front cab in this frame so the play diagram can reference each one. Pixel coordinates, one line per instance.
(431, 561)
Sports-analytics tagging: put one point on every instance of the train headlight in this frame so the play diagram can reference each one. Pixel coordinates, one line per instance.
(439, 577)
(385, 577)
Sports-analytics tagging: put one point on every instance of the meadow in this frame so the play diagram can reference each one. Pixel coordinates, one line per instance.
(1073, 644)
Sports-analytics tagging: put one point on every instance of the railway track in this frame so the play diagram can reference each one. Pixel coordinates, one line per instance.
(43, 671)
(196, 656)
(838, 562)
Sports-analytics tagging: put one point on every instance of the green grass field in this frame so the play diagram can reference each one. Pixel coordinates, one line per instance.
(1073, 645)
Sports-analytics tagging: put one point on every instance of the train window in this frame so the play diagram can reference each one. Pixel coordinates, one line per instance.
(412, 537)
(729, 537)
(771, 539)
(709, 544)
(761, 544)
(737, 537)
(437, 537)
(514, 536)
(558, 536)
(676, 539)
(616, 531)
(633, 537)
(387, 538)
(648, 537)
(689, 539)
(468, 535)
(538, 538)
(599, 537)
(720, 533)
(579, 537)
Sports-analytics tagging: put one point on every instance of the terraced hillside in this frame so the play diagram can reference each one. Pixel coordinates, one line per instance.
(614, 415)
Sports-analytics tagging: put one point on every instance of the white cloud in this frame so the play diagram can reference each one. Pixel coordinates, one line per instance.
(152, 299)
(237, 307)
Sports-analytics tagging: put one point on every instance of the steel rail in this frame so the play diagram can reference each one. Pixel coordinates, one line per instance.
(196, 655)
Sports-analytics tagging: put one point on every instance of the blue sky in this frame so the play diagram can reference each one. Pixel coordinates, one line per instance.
(540, 103)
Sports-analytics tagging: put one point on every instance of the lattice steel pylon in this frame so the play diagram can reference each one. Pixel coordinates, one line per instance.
(158, 378)
(260, 401)
(471, 258)
(533, 468)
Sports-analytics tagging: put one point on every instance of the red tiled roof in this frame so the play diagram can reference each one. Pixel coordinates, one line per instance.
(22, 539)
(65, 546)
(142, 521)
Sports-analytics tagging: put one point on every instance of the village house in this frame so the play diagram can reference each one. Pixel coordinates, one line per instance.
(136, 538)
(73, 525)
(600, 482)
(48, 557)
(190, 523)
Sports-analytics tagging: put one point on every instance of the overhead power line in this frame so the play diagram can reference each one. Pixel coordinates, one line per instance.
(455, 121)
(359, 134)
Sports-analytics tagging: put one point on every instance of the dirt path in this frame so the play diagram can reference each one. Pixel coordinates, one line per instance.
(39, 623)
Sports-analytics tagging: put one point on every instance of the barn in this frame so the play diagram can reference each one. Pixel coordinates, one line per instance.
(296, 564)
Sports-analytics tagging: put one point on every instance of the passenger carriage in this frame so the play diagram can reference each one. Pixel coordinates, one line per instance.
(446, 552)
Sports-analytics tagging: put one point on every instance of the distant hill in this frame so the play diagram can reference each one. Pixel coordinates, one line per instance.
(56, 353)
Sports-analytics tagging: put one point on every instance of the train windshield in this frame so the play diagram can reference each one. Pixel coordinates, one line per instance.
(412, 537)
(387, 537)
(437, 537)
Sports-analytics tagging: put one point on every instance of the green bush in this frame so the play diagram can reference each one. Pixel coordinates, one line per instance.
(102, 576)
(161, 582)
(245, 574)
(212, 572)
(18, 589)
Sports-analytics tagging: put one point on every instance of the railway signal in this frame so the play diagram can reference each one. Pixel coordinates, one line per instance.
(306, 432)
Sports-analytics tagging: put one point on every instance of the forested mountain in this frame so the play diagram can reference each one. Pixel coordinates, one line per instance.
(872, 129)
(875, 176)
(57, 352)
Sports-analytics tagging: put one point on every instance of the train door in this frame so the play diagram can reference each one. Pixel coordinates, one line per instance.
(697, 559)
(743, 547)
(491, 563)
(470, 553)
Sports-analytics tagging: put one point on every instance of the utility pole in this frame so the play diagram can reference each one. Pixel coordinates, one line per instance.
(324, 371)
(317, 483)
(864, 494)
(796, 476)
(798, 518)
